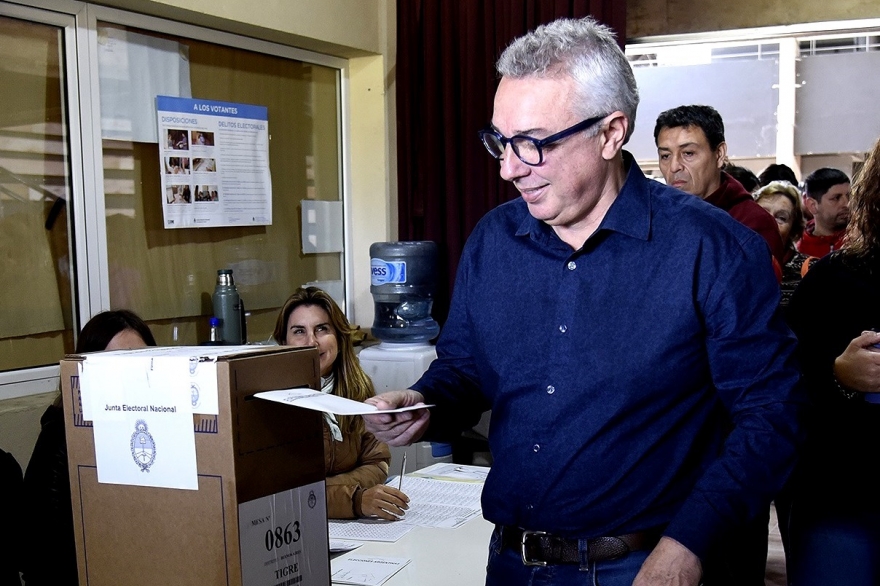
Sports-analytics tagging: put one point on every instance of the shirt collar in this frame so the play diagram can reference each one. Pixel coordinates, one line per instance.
(630, 213)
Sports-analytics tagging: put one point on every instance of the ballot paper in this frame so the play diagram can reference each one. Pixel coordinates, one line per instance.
(342, 546)
(459, 472)
(365, 570)
(368, 530)
(327, 403)
(440, 503)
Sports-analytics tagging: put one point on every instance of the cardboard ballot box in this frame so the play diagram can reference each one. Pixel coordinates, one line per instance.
(253, 512)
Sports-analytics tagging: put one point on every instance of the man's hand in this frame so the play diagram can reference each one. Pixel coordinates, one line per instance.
(398, 429)
(670, 564)
(383, 501)
(858, 368)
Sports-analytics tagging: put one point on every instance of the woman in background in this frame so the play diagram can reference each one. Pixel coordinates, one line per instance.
(835, 515)
(48, 530)
(782, 200)
(356, 463)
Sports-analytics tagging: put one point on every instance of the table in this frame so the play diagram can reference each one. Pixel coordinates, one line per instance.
(439, 556)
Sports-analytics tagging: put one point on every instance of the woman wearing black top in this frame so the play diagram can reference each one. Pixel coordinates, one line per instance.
(47, 507)
(835, 516)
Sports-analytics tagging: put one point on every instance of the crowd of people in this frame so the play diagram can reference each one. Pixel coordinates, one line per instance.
(810, 220)
(662, 361)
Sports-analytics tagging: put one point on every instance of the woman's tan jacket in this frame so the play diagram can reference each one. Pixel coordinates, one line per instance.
(353, 465)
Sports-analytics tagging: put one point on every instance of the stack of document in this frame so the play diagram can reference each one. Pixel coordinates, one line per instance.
(459, 472)
(440, 503)
(367, 530)
(442, 495)
(366, 570)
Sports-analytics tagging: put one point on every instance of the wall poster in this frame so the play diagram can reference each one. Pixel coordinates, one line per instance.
(214, 162)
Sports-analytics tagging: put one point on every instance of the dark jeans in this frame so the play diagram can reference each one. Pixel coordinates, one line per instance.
(506, 568)
(834, 545)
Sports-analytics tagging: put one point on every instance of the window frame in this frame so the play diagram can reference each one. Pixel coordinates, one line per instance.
(44, 379)
(88, 239)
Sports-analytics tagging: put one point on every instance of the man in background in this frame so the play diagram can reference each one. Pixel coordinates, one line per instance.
(826, 196)
(692, 152)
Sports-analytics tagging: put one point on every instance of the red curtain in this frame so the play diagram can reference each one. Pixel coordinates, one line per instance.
(446, 53)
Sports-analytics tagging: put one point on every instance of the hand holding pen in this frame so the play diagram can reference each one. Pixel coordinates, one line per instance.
(384, 501)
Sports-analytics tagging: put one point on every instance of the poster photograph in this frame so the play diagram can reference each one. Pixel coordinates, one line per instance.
(214, 161)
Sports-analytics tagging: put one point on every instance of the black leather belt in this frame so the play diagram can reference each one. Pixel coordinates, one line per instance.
(539, 548)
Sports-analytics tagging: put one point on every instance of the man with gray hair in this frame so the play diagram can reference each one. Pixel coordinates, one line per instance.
(625, 335)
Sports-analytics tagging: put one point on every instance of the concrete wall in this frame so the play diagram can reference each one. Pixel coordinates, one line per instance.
(647, 18)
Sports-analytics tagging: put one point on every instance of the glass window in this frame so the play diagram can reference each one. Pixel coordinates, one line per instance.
(167, 275)
(36, 298)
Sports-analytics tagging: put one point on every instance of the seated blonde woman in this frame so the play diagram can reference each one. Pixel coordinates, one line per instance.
(356, 462)
(783, 201)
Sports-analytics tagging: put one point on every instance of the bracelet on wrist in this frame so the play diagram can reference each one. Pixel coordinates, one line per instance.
(845, 392)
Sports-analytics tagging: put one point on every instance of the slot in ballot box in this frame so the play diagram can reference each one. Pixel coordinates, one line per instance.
(253, 508)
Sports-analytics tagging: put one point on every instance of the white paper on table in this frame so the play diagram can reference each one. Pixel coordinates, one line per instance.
(365, 570)
(440, 503)
(342, 546)
(368, 530)
(327, 403)
(434, 515)
(142, 422)
(442, 492)
(459, 472)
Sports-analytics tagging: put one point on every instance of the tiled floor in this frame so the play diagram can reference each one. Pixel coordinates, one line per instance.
(775, 575)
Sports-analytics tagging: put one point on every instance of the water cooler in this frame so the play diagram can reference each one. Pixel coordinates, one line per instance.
(402, 282)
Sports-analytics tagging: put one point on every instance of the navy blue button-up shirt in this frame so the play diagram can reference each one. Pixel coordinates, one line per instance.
(646, 379)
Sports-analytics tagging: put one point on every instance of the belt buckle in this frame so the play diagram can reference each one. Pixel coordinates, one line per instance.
(525, 558)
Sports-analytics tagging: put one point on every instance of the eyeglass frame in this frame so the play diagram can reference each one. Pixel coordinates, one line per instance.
(539, 143)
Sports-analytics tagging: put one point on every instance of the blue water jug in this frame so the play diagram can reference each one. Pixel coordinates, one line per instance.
(403, 277)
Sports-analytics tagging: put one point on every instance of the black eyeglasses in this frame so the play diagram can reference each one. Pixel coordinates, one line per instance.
(528, 149)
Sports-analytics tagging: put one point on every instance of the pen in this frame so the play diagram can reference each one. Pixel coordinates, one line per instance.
(402, 472)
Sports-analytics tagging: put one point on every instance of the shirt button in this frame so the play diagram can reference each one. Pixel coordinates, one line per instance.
(551, 389)
(572, 265)
(563, 328)
(536, 448)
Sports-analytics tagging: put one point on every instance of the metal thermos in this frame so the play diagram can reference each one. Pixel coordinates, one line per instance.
(229, 309)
